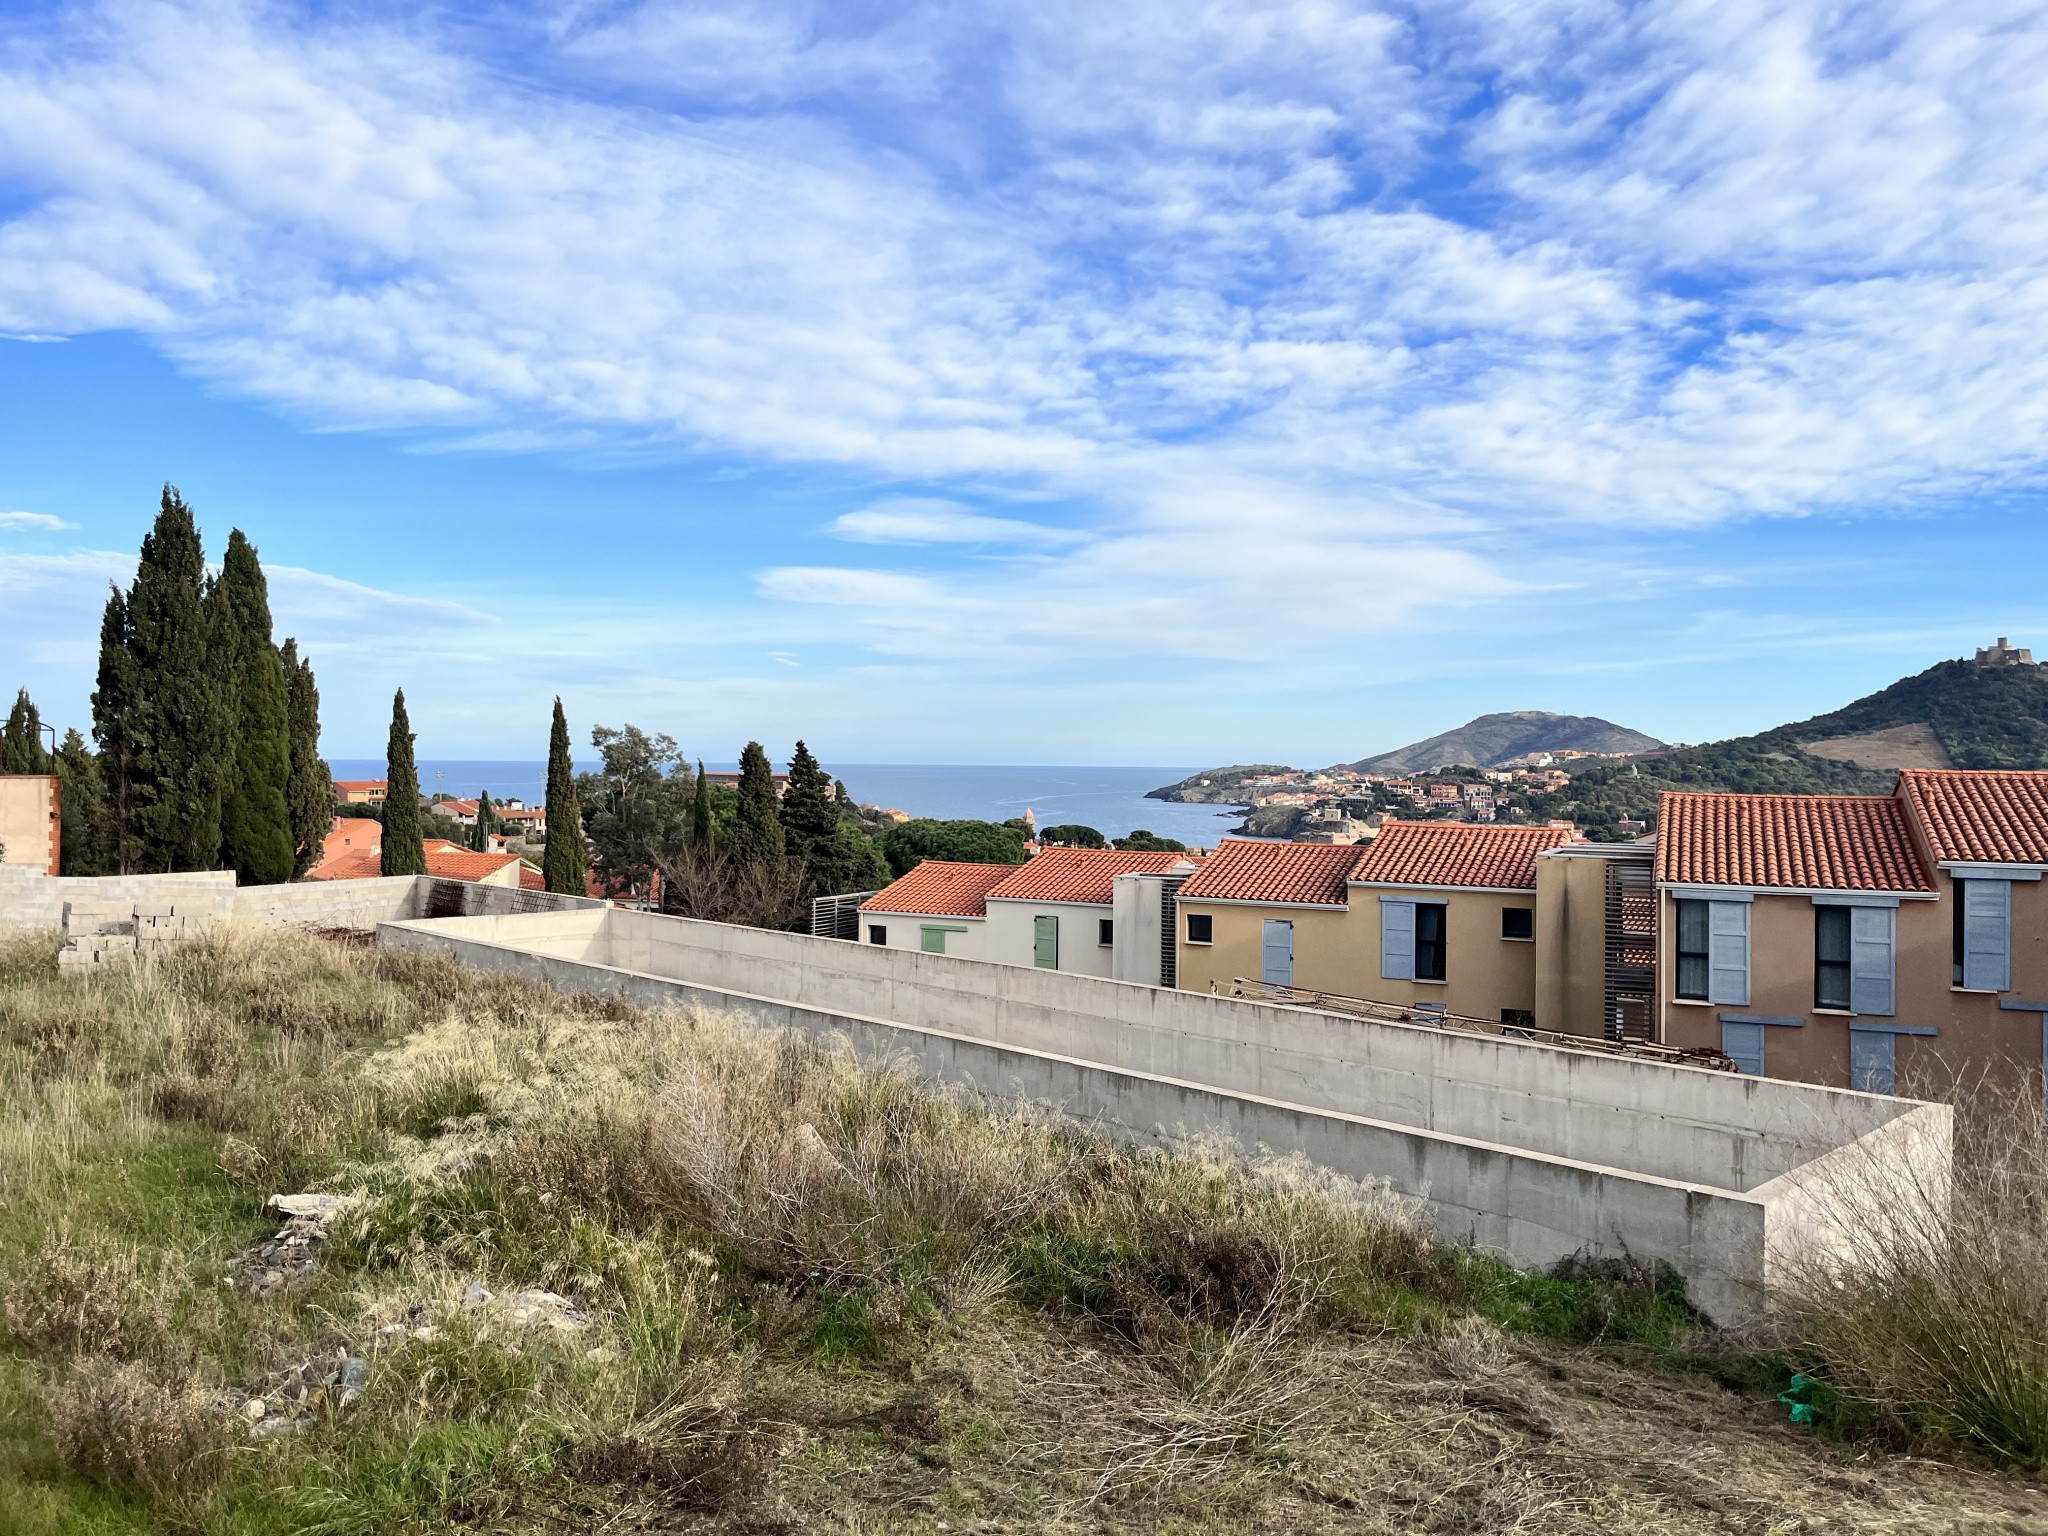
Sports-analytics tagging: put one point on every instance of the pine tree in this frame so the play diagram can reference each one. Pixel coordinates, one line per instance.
(87, 842)
(181, 726)
(115, 720)
(758, 837)
(21, 740)
(562, 863)
(700, 811)
(807, 812)
(486, 823)
(310, 794)
(404, 852)
(255, 815)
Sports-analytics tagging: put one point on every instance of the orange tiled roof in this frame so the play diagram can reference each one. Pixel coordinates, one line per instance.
(938, 888)
(1081, 874)
(445, 860)
(1981, 815)
(362, 784)
(1300, 874)
(1788, 842)
(1456, 853)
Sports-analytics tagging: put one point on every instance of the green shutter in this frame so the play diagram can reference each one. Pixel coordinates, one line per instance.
(1045, 943)
(932, 940)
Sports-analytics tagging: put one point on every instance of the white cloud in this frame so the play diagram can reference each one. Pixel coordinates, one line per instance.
(934, 520)
(33, 522)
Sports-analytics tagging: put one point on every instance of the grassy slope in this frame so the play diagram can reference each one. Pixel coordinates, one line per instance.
(1983, 717)
(819, 1298)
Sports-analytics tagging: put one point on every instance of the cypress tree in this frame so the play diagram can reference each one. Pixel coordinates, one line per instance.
(115, 720)
(181, 730)
(255, 815)
(758, 837)
(807, 812)
(486, 823)
(562, 863)
(21, 739)
(404, 852)
(87, 843)
(310, 795)
(700, 811)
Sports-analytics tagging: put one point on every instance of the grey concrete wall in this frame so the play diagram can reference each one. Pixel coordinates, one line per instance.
(1532, 1208)
(1671, 1122)
(31, 900)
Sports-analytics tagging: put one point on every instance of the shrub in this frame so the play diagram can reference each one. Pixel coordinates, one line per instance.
(130, 1427)
(75, 1300)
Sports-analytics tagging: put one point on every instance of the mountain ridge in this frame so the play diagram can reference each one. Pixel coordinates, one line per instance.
(1488, 740)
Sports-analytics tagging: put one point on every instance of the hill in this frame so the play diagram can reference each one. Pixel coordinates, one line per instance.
(1493, 739)
(1218, 786)
(1955, 714)
(586, 1264)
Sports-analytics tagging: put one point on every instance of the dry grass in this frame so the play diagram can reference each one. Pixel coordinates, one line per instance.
(811, 1295)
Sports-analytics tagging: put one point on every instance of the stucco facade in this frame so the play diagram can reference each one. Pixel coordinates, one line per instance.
(1014, 933)
(966, 936)
(31, 820)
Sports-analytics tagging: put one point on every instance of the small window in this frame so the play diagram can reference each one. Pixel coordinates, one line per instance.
(877, 934)
(1429, 940)
(1105, 931)
(1518, 1018)
(1201, 928)
(1692, 950)
(1831, 957)
(1517, 923)
(932, 940)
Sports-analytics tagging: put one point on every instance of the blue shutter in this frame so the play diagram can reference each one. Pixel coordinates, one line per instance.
(1728, 954)
(1987, 928)
(1870, 960)
(1745, 1043)
(1873, 1061)
(1397, 940)
(1277, 955)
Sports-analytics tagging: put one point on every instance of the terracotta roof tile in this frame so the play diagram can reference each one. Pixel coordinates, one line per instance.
(1981, 815)
(1456, 853)
(1081, 874)
(1300, 874)
(938, 888)
(1788, 842)
(444, 860)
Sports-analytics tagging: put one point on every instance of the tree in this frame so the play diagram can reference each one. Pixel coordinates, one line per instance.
(757, 838)
(21, 740)
(909, 843)
(178, 726)
(848, 860)
(486, 823)
(700, 811)
(1149, 842)
(1074, 835)
(310, 793)
(86, 844)
(562, 864)
(637, 804)
(255, 811)
(808, 812)
(114, 724)
(405, 851)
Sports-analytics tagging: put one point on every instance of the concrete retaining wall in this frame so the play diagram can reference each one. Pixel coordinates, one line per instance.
(1478, 1148)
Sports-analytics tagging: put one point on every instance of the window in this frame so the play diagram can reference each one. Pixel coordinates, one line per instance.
(1045, 943)
(932, 940)
(1105, 931)
(1201, 928)
(1831, 957)
(1873, 1060)
(877, 934)
(1743, 1042)
(1692, 951)
(1983, 928)
(1517, 922)
(1429, 940)
(1518, 1018)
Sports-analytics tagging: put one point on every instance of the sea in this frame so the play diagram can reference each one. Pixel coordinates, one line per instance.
(1111, 800)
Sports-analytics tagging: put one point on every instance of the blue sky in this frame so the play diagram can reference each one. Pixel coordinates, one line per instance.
(1050, 383)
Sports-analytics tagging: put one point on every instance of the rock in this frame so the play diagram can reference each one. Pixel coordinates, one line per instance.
(544, 1309)
(277, 1429)
(254, 1409)
(316, 1208)
(474, 1294)
(355, 1373)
